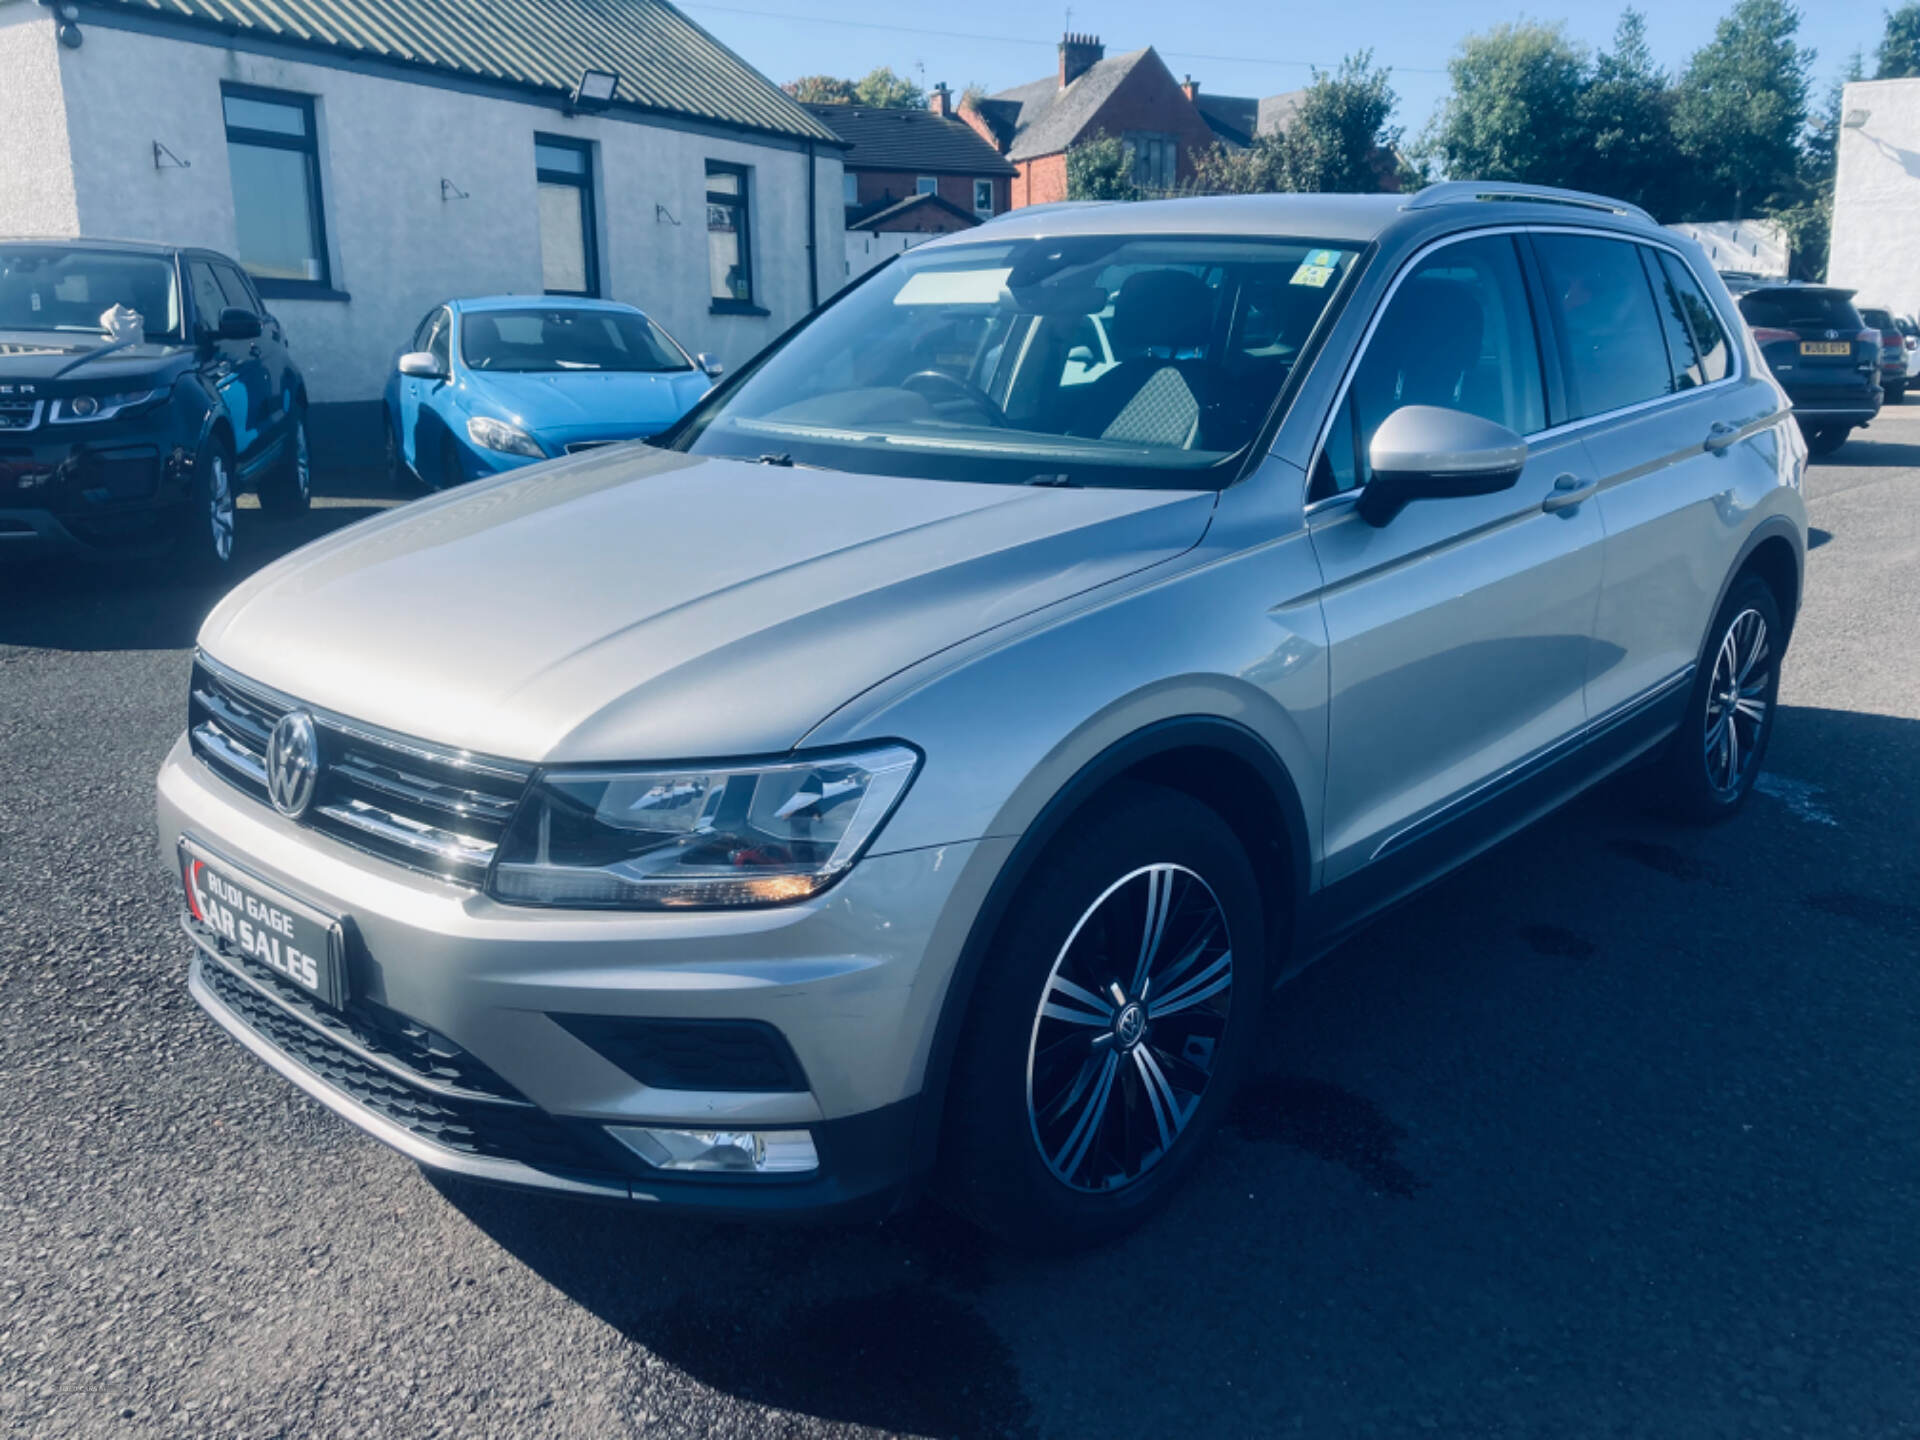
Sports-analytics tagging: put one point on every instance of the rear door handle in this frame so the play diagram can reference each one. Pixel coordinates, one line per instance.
(1722, 434)
(1568, 491)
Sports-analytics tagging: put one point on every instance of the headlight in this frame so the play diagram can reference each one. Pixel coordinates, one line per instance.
(491, 434)
(698, 838)
(74, 408)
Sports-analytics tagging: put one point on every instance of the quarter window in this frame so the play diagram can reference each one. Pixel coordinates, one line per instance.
(273, 158)
(1685, 367)
(1458, 333)
(729, 238)
(1703, 321)
(238, 292)
(208, 298)
(1613, 350)
(564, 172)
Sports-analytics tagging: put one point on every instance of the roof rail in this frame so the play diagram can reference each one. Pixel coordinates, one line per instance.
(1448, 192)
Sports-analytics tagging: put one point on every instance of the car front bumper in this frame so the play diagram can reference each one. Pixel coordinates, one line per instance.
(853, 980)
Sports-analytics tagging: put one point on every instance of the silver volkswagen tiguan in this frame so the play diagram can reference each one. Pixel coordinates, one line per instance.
(912, 772)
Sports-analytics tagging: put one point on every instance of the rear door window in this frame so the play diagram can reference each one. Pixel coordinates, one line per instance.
(1703, 321)
(1613, 348)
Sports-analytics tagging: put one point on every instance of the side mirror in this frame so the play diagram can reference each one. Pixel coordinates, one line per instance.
(1424, 452)
(238, 324)
(709, 366)
(421, 365)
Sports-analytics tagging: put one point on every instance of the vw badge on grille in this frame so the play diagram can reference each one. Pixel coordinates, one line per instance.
(293, 763)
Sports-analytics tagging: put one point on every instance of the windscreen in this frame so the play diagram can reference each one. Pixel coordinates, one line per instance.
(566, 338)
(1096, 360)
(1801, 310)
(57, 289)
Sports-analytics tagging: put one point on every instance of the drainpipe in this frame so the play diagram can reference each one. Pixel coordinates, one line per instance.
(813, 262)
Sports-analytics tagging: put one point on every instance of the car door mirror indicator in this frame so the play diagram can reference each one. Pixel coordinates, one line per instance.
(1427, 452)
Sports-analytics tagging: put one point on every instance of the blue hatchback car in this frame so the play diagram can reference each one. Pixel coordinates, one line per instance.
(490, 384)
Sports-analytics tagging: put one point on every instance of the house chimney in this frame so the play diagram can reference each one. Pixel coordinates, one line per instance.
(941, 101)
(1078, 54)
(1190, 87)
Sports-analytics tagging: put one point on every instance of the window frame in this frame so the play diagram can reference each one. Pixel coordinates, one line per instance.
(741, 203)
(1545, 340)
(978, 208)
(268, 286)
(926, 185)
(581, 181)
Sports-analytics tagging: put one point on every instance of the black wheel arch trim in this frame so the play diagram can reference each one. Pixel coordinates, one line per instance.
(1774, 527)
(1159, 738)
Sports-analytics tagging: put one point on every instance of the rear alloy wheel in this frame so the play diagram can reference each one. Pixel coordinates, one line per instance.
(289, 490)
(1713, 760)
(1114, 1015)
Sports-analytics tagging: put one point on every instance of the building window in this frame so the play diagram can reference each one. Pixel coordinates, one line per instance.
(729, 239)
(569, 262)
(850, 188)
(926, 185)
(273, 156)
(1156, 159)
(983, 197)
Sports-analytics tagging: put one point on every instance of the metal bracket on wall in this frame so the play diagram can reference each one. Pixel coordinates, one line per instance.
(660, 212)
(165, 159)
(451, 191)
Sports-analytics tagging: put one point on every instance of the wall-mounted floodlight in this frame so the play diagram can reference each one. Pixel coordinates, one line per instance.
(594, 92)
(1856, 119)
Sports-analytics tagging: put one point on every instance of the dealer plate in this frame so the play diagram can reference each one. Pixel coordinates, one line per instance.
(1825, 347)
(249, 918)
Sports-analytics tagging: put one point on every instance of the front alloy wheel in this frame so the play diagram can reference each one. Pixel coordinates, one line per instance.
(1129, 1028)
(1117, 1005)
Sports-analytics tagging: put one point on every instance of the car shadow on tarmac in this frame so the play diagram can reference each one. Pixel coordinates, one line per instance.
(142, 601)
(1521, 1106)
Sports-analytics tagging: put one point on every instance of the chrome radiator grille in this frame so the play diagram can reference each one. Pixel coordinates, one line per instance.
(421, 805)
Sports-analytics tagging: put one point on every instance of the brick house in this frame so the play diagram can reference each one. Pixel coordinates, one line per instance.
(1132, 96)
(902, 154)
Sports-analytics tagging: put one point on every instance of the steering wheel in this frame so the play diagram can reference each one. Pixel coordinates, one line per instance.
(921, 382)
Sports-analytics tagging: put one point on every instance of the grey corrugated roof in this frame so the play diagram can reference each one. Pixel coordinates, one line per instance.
(1051, 119)
(893, 138)
(666, 63)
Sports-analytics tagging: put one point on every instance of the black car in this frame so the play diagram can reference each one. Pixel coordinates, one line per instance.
(141, 388)
(1825, 356)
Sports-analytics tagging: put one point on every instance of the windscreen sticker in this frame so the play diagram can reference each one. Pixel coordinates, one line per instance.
(954, 287)
(1317, 269)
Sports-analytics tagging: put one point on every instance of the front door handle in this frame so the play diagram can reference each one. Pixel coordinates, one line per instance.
(1722, 434)
(1568, 491)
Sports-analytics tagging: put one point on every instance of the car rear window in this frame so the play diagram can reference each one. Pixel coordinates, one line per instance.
(1881, 320)
(1800, 310)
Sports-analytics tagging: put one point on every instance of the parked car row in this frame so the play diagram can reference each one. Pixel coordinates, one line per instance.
(144, 387)
(1838, 362)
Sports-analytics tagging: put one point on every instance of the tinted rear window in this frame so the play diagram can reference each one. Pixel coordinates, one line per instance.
(1800, 310)
(1882, 321)
(1613, 349)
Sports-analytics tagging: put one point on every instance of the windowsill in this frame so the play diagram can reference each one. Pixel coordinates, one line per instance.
(297, 290)
(737, 307)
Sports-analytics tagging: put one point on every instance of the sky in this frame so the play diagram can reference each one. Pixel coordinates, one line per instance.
(1232, 47)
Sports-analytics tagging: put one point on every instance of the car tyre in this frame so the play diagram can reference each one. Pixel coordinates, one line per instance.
(450, 472)
(1896, 393)
(205, 541)
(1827, 438)
(1710, 765)
(289, 489)
(1078, 1103)
(400, 476)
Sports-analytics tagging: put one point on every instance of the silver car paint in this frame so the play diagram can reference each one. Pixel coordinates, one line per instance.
(644, 607)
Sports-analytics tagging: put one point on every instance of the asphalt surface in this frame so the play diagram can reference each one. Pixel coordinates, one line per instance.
(1615, 1133)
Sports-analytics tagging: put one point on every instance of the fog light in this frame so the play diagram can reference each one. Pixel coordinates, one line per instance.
(721, 1152)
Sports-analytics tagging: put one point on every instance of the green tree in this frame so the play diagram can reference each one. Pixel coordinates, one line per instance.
(1514, 110)
(1899, 52)
(1739, 112)
(1626, 125)
(1337, 139)
(1101, 169)
(879, 86)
